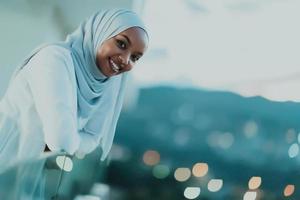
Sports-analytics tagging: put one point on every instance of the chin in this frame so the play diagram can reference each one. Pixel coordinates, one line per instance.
(102, 70)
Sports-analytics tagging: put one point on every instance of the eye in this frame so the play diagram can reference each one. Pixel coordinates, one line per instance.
(135, 58)
(121, 44)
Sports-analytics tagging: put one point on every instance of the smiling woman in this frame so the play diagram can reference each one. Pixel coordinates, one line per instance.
(120, 53)
(68, 96)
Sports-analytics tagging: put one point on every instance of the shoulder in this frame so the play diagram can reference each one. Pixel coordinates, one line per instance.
(51, 57)
(50, 62)
(54, 53)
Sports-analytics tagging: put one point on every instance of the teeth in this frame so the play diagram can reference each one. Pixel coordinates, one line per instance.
(114, 66)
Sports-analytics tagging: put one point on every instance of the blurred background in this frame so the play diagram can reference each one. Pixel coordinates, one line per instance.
(212, 110)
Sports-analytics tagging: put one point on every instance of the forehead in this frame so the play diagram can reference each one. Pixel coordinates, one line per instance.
(137, 37)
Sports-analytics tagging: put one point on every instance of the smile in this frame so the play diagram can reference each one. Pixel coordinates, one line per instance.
(114, 66)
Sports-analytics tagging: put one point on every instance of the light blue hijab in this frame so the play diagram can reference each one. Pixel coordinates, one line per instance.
(99, 98)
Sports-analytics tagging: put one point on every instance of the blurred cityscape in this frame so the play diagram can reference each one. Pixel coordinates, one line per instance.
(181, 142)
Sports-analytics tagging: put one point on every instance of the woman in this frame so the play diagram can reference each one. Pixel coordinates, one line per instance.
(68, 96)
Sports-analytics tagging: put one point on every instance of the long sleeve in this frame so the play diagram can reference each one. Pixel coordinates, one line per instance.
(50, 76)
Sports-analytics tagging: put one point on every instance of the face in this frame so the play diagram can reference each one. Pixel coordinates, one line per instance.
(120, 53)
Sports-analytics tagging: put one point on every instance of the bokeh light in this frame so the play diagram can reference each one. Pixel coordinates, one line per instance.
(250, 195)
(182, 174)
(185, 112)
(120, 153)
(225, 140)
(215, 185)
(289, 190)
(254, 182)
(293, 150)
(213, 138)
(161, 171)
(100, 189)
(65, 163)
(250, 129)
(192, 192)
(200, 169)
(290, 135)
(298, 138)
(151, 157)
(87, 197)
(220, 139)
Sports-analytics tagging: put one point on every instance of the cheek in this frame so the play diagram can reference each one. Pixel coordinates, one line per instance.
(100, 57)
(104, 54)
(100, 53)
(107, 49)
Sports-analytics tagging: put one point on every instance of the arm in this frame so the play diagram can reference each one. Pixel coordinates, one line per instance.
(50, 80)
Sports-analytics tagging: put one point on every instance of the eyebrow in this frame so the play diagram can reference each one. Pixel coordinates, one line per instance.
(129, 42)
(127, 38)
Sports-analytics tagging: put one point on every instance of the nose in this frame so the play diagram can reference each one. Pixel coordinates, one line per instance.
(125, 62)
(125, 58)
